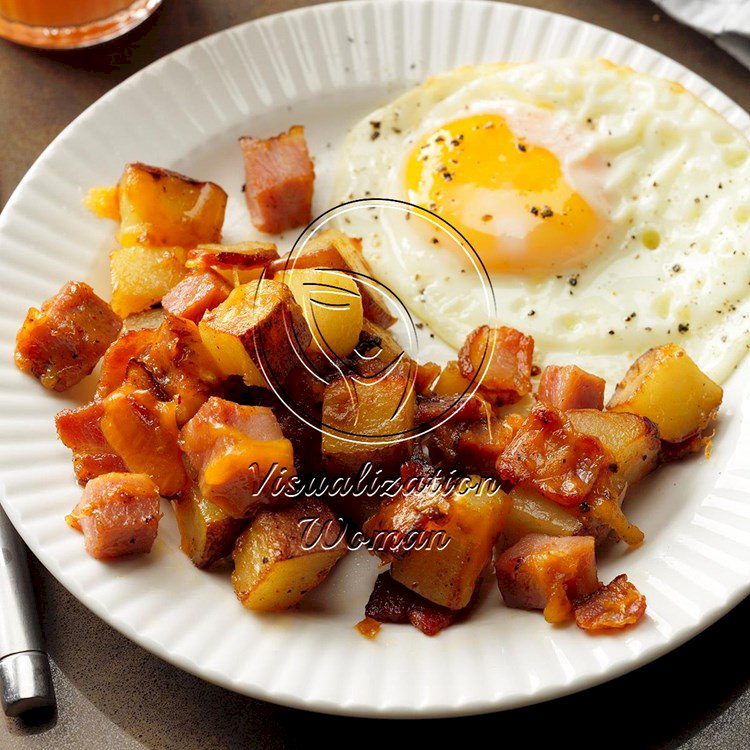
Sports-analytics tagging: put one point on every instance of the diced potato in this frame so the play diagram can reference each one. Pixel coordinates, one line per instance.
(151, 318)
(207, 533)
(142, 275)
(472, 522)
(160, 208)
(632, 440)
(325, 246)
(668, 388)
(384, 345)
(257, 320)
(532, 513)
(104, 201)
(332, 306)
(364, 420)
(279, 557)
(61, 343)
(143, 431)
(451, 382)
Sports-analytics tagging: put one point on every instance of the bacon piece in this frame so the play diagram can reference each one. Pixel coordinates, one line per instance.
(279, 176)
(117, 358)
(80, 430)
(232, 449)
(61, 343)
(143, 430)
(195, 294)
(548, 454)
(179, 362)
(118, 515)
(392, 602)
(242, 256)
(501, 359)
(570, 387)
(616, 605)
(547, 572)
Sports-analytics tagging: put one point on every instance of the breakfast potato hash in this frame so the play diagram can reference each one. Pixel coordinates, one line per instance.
(200, 336)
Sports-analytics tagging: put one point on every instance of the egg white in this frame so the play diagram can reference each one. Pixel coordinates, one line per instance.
(670, 176)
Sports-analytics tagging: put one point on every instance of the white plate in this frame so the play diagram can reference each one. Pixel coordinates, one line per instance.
(325, 67)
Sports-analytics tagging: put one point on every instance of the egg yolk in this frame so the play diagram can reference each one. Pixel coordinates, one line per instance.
(508, 198)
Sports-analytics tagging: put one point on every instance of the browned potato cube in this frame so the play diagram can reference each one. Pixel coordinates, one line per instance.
(281, 555)
(364, 419)
(142, 275)
(445, 568)
(532, 513)
(632, 440)
(159, 207)
(334, 249)
(61, 343)
(258, 319)
(207, 533)
(668, 388)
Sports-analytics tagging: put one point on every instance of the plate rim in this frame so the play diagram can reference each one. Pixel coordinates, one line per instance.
(318, 704)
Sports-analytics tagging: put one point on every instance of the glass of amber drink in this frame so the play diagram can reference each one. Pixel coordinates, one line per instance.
(68, 24)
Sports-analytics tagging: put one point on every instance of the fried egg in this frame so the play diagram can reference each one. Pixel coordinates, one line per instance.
(610, 210)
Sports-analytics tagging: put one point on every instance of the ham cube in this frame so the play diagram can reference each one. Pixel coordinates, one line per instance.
(570, 387)
(237, 454)
(118, 515)
(614, 606)
(61, 343)
(80, 430)
(547, 572)
(195, 294)
(279, 178)
(500, 358)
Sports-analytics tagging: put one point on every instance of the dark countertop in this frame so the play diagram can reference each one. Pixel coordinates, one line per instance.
(113, 694)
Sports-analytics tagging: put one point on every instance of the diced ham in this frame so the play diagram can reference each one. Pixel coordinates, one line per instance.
(118, 515)
(500, 358)
(547, 453)
(616, 605)
(61, 343)
(196, 293)
(392, 602)
(117, 358)
(570, 387)
(279, 176)
(481, 443)
(547, 572)
(80, 430)
(237, 453)
(444, 408)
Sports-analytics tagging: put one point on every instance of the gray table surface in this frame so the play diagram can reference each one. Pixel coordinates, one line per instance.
(112, 694)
